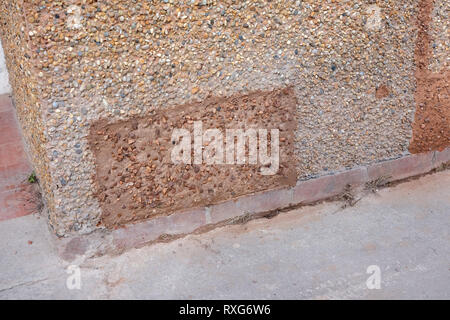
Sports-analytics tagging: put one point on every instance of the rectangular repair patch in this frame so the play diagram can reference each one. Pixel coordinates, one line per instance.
(194, 155)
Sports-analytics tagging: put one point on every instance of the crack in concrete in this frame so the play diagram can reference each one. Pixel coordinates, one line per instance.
(27, 283)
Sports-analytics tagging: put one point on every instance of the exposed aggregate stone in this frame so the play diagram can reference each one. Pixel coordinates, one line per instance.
(440, 35)
(89, 60)
(24, 83)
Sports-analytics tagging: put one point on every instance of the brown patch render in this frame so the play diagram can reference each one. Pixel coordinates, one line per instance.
(382, 92)
(136, 179)
(431, 126)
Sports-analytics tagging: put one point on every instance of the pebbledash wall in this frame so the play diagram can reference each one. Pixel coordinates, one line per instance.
(94, 82)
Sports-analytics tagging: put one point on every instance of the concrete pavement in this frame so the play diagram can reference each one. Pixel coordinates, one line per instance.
(317, 252)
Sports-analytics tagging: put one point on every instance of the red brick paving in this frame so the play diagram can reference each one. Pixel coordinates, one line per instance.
(17, 197)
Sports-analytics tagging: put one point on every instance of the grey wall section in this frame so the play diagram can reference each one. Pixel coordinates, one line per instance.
(4, 82)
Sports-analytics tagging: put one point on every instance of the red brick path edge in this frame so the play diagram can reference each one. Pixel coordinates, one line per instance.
(17, 197)
(202, 219)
